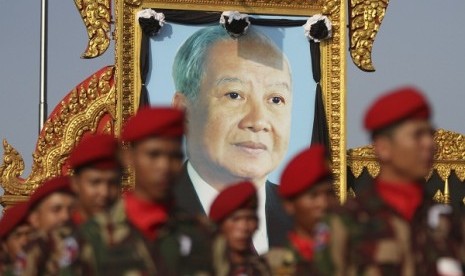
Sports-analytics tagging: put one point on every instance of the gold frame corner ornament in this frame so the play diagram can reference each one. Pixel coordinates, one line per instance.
(333, 58)
(96, 16)
(365, 20)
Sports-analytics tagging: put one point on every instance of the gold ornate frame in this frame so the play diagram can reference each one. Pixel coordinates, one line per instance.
(333, 58)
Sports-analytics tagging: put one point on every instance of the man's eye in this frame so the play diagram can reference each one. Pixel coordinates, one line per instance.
(277, 100)
(233, 95)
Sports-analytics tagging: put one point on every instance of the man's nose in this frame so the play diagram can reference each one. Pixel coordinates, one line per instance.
(255, 117)
(104, 189)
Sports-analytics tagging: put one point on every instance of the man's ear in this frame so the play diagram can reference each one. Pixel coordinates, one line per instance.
(74, 184)
(179, 101)
(382, 146)
(126, 157)
(288, 207)
(33, 219)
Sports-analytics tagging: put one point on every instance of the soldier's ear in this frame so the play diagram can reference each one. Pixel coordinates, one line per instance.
(382, 146)
(33, 219)
(127, 158)
(289, 207)
(74, 184)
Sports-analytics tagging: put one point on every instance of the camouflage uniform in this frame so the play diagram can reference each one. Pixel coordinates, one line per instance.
(111, 245)
(48, 254)
(254, 265)
(9, 267)
(288, 261)
(369, 238)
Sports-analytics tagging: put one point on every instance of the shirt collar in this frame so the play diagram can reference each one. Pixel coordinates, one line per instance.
(207, 195)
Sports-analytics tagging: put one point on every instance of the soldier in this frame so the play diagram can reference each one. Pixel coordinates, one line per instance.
(50, 210)
(388, 228)
(235, 213)
(96, 175)
(50, 205)
(96, 182)
(14, 235)
(142, 234)
(306, 189)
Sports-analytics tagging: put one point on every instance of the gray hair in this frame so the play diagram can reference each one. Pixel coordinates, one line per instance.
(188, 66)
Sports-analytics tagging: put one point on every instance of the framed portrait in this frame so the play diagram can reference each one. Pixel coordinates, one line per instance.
(285, 64)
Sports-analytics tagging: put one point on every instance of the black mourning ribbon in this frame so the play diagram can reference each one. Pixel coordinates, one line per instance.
(236, 27)
(319, 30)
(150, 27)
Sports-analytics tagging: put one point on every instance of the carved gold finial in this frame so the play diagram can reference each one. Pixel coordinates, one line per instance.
(351, 193)
(96, 15)
(446, 192)
(364, 22)
(441, 197)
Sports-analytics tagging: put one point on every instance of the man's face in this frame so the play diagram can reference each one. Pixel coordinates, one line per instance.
(238, 229)
(239, 125)
(156, 162)
(96, 189)
(308, 208)
(409, 150)
(15, 242)
(54, 211)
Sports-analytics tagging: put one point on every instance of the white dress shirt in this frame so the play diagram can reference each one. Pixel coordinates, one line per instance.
(207, 195)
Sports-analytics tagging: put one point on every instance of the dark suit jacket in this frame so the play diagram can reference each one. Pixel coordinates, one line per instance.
(278, 223)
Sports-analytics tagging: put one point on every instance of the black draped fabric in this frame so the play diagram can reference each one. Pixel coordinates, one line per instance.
(320, 133)
(144, 69)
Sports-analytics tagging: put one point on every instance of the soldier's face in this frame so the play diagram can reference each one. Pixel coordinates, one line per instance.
(409, 150)
(156, 162)
(238, 229)
(308, 208)
(54, 211)
(17, 240)
(239, 125)
(96, 189)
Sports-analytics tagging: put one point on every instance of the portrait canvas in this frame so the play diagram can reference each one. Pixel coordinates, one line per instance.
(289, 40)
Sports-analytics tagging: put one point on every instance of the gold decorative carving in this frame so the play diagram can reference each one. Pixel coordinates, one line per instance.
(365, 19)
(443, 198)
(449, 156)
(96, 15)
(79, 112)
(333, 58)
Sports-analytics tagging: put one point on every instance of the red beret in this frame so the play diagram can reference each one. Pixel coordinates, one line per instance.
(98, 150)
(231, 199)
(154, 121)
(303, 171)
(395, 106)
(12, 218)
(56, 184)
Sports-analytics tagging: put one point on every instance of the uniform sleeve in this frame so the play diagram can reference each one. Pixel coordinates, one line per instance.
(332, 258)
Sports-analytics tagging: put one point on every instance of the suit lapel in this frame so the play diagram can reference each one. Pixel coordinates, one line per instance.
(278, 223)
(185, 195)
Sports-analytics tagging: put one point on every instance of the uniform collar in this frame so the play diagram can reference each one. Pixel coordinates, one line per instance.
(404, 198)
(146, 216)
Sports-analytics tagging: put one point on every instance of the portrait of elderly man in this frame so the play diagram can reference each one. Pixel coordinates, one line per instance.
(237, 93)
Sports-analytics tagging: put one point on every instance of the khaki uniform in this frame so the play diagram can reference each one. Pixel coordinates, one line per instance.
(369, 238)
(254, 265)
(48, 254)
(110, 245)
